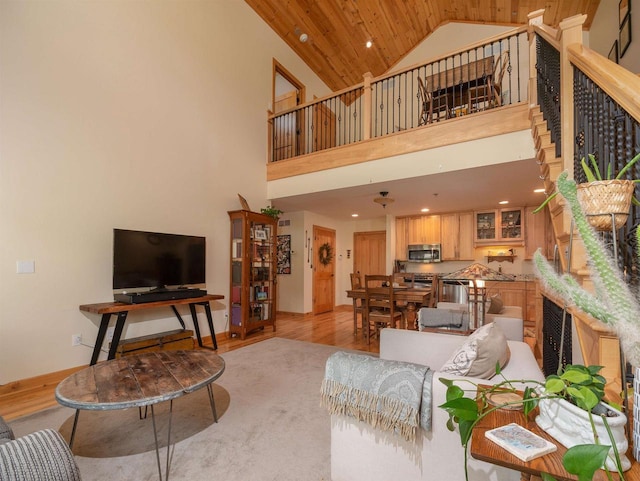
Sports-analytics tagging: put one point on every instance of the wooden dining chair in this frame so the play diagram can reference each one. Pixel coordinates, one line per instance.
(358, 303)
(403, 279)
(437, 104)
(424, 97)
(379, 305)
(500, 68)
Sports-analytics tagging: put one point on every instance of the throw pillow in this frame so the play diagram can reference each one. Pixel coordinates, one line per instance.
(478, 356)
(495, 305)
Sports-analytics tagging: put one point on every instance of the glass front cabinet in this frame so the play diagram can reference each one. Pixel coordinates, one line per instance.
(504, 226)
(253, 272)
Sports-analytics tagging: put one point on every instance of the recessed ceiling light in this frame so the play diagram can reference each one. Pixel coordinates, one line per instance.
(539, 191)
(354, 215)
(369, 43)
(502, 202)
(424, 210)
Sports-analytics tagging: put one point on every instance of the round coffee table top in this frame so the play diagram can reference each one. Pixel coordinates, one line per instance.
(140, 379)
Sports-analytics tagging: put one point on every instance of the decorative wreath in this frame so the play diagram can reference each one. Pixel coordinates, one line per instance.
(325, 253)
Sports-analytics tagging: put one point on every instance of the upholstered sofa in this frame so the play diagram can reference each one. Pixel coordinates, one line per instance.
(40, 456)
(360, 451)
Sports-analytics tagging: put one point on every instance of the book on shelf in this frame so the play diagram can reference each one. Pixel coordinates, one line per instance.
(519, 441)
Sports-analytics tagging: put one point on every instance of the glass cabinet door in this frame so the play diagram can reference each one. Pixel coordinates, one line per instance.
(511, 224)
(486, 226)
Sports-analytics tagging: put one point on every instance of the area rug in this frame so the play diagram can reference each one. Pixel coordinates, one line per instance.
(270, 424)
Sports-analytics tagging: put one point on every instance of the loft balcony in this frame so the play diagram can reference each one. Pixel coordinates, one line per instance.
(477, 92)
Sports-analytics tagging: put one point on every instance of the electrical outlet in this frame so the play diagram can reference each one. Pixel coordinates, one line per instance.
(110, 333)
(76, 339)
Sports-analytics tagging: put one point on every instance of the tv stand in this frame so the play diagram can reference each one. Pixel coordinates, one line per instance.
(121, 309)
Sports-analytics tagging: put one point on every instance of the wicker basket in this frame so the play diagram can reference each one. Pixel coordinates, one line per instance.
(602, 198)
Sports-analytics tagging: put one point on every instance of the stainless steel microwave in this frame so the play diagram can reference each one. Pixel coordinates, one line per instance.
(424, 253)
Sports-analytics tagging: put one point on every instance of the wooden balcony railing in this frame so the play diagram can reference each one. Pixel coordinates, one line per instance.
(487, 75)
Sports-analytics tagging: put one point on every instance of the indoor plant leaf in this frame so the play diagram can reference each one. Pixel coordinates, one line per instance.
(584, 460)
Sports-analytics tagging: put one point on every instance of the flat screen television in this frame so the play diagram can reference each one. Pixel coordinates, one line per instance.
(157, 260)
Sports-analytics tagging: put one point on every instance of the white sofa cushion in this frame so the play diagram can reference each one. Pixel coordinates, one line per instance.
(480, 353)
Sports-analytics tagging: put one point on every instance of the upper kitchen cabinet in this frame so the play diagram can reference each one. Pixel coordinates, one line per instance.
(401, 238)
(501, 226)
(457, 236)
(424, 229)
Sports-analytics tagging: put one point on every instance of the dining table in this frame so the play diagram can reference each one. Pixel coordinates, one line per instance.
(453, 83)
(410, 298)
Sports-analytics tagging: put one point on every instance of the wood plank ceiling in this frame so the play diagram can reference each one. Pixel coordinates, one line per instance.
(337, 30)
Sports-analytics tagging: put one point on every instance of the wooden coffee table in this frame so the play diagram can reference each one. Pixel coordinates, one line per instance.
(141, 380)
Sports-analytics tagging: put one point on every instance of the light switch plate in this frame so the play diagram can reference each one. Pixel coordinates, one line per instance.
(26, 267)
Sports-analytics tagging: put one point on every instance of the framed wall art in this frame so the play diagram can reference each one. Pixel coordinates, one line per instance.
(613, 53)
(625, 34)
(284, 254)
(623, 10)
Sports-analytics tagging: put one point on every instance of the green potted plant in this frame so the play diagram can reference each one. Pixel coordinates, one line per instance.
(576, 385)
(271, 211)
(602, 194)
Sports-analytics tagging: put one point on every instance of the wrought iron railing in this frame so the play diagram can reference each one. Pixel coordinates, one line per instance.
(607, 131)
(487, 75)
(548, 87)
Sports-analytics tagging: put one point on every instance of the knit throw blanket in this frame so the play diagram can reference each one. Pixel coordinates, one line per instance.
(390, 395)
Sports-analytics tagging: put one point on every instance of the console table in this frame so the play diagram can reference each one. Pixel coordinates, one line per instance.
(121, 309)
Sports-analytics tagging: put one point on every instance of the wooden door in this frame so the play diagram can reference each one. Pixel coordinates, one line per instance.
(324, 127)
(285, 127)
(369, 253)
(324, 286)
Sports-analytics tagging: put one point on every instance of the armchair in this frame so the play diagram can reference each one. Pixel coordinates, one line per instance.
(40, 456)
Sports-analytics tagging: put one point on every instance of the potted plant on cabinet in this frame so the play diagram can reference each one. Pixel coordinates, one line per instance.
(577, 386)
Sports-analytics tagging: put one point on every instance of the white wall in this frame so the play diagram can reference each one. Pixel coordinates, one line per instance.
(605, 30)
(142, 115)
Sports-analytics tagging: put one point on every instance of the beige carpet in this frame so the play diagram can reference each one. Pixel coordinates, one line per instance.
(271, 425)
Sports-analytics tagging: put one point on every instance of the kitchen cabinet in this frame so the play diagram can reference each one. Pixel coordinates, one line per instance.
(500, 226)
(424, 229)
(457, 236)
(401, 238)
(539, 233)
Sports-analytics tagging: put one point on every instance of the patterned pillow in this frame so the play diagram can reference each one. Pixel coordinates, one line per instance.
(478, 356)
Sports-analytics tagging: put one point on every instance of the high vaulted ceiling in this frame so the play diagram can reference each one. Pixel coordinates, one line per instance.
(337, 30)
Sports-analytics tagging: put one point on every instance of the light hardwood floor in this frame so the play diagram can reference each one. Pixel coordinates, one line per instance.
(332, 328)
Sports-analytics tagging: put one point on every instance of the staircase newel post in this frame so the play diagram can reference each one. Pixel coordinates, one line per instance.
(570, 32)
(535, 18)
(367, 107)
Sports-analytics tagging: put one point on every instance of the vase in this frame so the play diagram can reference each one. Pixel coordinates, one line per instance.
(601, 198)
(570, 426)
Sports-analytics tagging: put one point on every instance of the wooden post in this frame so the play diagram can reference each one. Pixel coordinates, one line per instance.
(366, 109)
(535, 18)
(570, 31)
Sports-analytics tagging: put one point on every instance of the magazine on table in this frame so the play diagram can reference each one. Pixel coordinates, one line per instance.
(520, 442)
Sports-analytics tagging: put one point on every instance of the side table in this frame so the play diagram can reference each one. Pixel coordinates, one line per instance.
(486, 450)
